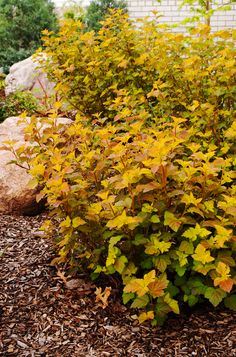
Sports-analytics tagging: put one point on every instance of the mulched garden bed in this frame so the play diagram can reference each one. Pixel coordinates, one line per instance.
(41, 316)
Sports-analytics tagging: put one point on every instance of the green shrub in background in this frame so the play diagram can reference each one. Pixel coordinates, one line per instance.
(143, 182)
(16, 103)
(21, 23)
(98, 10)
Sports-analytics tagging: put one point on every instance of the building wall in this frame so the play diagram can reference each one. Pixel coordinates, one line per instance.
(172, 14)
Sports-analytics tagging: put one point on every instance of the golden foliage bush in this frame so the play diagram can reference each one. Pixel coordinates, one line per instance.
(143, 180)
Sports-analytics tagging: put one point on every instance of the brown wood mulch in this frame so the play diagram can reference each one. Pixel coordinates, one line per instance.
(41, 316)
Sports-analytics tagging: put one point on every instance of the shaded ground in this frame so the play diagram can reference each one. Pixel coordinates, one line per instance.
(39, 316)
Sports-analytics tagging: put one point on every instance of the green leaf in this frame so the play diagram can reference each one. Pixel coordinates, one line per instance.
(180, 270)
(230, 302)
(120, 263)
(215, 296)
(147, 263)
(126, 297)
(140, 302)
(161, 262)
(139, 239)
(172, 289)
(155, 219)
(161, 309)
(192, 300)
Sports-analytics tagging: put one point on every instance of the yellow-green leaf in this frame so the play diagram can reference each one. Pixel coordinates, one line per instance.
(140, 286)
(173, 304)
(193, 233)
(140, 302)
(146, 316)
(171, 221)
(215, 296)
(77, 221)
(202, 255)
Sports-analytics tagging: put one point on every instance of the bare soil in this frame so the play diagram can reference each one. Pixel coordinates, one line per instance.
(41, 315)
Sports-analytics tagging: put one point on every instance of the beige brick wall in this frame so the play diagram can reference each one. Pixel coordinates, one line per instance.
(172, 14)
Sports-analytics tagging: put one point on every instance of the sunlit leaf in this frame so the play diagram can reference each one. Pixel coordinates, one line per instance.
(146, 316)
(140, 286)
(202, 255)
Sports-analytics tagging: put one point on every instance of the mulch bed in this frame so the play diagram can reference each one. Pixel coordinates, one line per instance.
(41, 316)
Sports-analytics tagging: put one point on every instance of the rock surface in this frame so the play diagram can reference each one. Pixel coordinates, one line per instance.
(15, 196)
(27, 75)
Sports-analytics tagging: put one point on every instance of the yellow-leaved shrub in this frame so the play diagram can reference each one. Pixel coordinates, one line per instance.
(143, 180)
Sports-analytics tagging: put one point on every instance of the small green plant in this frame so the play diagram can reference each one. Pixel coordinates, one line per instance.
(16, 103)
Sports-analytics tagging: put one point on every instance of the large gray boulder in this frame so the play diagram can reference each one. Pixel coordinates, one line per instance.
(27, 75)
(15, 196)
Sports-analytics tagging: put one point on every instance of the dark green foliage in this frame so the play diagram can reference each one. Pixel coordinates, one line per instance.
(98, 9)
(16, 103)
(21, 23)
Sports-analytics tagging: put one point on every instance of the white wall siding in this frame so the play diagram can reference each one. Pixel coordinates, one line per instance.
(173, 14)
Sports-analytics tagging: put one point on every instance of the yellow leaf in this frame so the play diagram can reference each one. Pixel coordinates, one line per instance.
(118, 221)
(173, 304)
(37, 170)
(146, 316)
(197, 231)
(156, 245)
(202, 255)
(223, 279)
(57, 105)
(223, 235)
(140, 286)
(123, 219)
(77, 221)
(66, 223)
(190, 199)
(222, 269)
